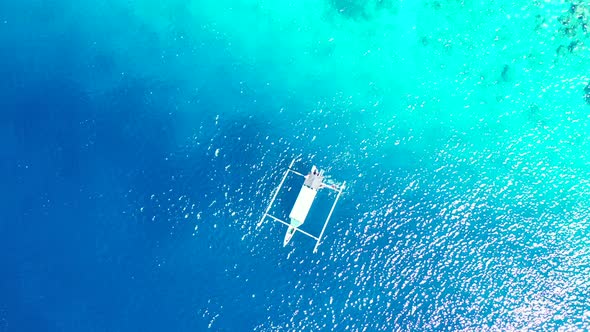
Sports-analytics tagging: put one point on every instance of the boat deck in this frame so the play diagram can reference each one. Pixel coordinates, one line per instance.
(313, 181)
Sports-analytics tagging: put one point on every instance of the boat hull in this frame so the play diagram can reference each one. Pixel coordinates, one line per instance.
(289, 234)
(302, 204)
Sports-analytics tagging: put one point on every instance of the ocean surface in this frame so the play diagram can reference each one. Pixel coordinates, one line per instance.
(140, 142)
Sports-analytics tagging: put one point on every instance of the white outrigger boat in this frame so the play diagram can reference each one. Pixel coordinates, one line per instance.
(314, 181)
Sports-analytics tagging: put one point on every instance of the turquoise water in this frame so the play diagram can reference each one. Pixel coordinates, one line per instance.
(146, 138)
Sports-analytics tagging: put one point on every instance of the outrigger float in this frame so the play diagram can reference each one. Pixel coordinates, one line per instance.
(313, 182)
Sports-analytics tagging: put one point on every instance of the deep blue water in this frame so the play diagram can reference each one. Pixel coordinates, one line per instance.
(77, 253)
